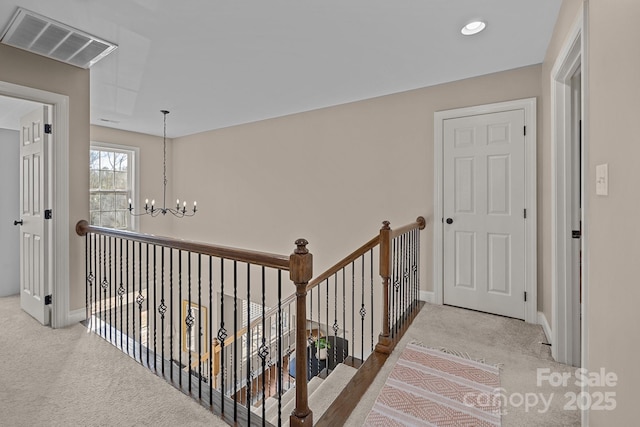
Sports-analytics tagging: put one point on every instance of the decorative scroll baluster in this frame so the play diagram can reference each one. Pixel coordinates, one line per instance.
(189, 318)
(263, 352)
(180, 318)
(171, 318)
(121, 292)
(162, 308)
(222, 336)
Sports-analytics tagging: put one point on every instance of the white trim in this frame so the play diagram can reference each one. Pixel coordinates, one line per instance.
(563, 313)
(531, 266)
(60, 201)
(427, 296)
(135, 175)
(77, 316)
(542, 321)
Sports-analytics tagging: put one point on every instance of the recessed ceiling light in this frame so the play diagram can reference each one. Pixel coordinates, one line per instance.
(473, 28)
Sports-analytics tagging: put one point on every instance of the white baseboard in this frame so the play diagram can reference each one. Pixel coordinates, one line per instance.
(77, 316)
(427, 296)
(542, 321)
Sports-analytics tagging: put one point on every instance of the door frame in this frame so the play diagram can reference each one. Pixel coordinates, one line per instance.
(529, 107)
(59, 153)
(565, 318)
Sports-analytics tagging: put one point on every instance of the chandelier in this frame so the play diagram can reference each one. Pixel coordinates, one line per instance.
(179, 211)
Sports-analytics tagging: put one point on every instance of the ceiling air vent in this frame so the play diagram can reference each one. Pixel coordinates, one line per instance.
(38, 34)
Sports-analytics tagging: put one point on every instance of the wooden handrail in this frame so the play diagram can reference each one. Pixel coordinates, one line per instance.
(419, 223)
(344, 262)
(242, 255)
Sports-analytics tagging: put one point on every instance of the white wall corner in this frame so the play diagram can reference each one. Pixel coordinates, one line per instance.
(77, 316)
(428, 296)
(542, 321)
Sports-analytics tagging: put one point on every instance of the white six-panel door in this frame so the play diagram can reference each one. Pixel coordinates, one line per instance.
(33, 231)
(484, 202)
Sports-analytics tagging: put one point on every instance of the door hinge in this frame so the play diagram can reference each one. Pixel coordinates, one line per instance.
(524, 213)
(525, 297)
(576, 234)
(48, 299)
(48, 214)
(525, 131)
(47, 128)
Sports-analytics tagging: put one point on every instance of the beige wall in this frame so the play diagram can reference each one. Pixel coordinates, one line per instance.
(613, 232)
(26, 69)
(150, 168)
(329, 175)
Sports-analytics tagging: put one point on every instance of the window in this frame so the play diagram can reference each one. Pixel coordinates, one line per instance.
(111, 185)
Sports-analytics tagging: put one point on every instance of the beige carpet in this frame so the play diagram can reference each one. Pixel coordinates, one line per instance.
(512, 343)
(66, 377)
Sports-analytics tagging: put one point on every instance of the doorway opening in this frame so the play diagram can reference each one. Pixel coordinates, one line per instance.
(568, 221)
(459, 257)
(58, 270)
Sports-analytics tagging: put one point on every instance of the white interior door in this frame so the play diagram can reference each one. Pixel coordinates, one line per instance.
(34, 232)
(484, 216)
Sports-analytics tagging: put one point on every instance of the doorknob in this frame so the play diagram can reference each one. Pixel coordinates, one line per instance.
(449, 220)
(17, 222)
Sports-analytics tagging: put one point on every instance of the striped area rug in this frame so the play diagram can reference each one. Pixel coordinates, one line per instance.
(428, 387)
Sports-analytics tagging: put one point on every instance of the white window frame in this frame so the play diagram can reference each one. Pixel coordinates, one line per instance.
(134, 168)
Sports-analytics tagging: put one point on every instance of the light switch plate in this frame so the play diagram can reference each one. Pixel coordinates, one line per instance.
(602, 180)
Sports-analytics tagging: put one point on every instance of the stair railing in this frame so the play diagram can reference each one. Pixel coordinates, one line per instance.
(344, 307)
(126, 271)
(171, 303)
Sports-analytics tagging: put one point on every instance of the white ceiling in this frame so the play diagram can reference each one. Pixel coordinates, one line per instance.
(216, 63)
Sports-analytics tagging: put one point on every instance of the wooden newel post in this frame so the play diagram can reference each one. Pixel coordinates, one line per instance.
(384, 339)
(300, 272)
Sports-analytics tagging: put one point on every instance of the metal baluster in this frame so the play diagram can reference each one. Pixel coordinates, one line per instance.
(152, 313)
(327, 324)
(394, 290)
(140, 299)
(121, 292)
(133, 311)
(319, 330)
(249, 343)
(127, 290)
(363, 312)
(189, 319)
(279, 369)
(110, 294)
(353, 301)
(199, 326)
(371, 307)
(310, 339)
(335, 319)
(96, 282)
(147, 342)
(87, 254)
(210, 347)
(344, 312)
(235, 341)
(180, 319)
(90, 279)
(171, 318)
(264, 350)
(162, 309)
(222, 335)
